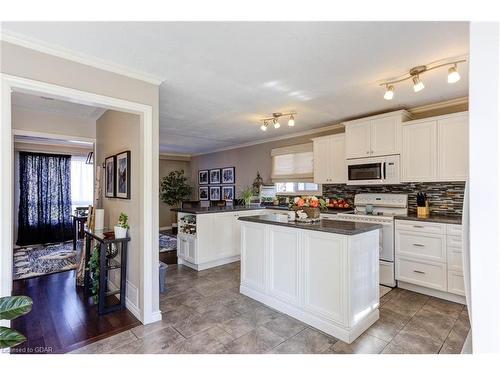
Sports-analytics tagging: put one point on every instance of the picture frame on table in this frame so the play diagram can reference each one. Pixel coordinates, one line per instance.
(109, 174)
(227, 193)
(123, 175)
(214, 176)
(228, 175)
(215, 193)
(203, 193)
(203, 177)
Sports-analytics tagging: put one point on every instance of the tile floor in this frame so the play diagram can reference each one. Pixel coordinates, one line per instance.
(203, 312)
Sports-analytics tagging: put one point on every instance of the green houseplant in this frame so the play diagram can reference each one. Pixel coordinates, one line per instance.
(174, 188)
(247, 194)
(122, 226)
(12, 308)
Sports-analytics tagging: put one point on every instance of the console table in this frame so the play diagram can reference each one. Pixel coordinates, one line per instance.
(112, 257)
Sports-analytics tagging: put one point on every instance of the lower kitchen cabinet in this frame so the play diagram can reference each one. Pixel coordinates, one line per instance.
(429, 255)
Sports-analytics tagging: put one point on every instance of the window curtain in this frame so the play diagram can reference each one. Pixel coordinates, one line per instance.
(45, 198)
(293, 163)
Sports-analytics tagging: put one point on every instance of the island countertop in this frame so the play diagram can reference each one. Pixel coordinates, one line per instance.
(348, 228)
(212, 210)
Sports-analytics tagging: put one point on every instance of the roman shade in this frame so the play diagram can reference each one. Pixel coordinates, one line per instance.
(293, 163)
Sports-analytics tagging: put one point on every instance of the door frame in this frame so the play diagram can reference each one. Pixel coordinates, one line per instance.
(148, 310)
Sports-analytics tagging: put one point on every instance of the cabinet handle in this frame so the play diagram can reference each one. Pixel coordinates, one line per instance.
(367, 152)
(418, 244)
(418, 226)
(421, 272)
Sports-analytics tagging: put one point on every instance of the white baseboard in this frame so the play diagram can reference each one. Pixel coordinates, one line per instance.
(165, 228)
(432, 292)
(207, 265)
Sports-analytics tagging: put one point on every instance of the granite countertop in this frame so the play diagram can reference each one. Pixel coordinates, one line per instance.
(443, 219)
(348, 228)
(211, 210)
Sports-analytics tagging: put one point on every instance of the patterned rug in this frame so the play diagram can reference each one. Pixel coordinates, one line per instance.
(168, 242)
(43, 260)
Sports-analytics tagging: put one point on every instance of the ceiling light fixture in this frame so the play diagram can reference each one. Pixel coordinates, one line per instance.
(415, 73)
(275, 120)
(389, 92)
(453, 75)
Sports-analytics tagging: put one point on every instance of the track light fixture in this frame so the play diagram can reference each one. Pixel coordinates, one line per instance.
(275, 120)
(415, 73)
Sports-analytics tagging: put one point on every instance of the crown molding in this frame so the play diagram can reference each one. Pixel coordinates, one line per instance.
(439, 105)
(174, 156)
(67, 54)
(279, 138)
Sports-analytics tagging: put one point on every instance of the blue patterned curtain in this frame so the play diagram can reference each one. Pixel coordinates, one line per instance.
(45, 198)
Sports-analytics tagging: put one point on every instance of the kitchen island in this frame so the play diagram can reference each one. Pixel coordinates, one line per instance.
(324, 274)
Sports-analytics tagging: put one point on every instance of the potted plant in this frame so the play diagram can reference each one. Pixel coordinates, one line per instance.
(11, 308)
(174, 188)
(122, 226)
(246, 195)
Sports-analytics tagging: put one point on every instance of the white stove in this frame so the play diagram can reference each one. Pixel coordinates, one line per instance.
(380, 209)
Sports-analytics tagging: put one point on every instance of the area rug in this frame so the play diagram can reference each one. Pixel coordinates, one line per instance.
(168, 242)
(43, 260)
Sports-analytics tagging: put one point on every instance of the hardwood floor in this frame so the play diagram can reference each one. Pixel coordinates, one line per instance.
(62, 319)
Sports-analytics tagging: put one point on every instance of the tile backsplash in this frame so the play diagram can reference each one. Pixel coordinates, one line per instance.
(445, 198)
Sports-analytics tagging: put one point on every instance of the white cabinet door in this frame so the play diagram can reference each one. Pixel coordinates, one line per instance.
(419, 153)
(453, 148)
(338, 165)
(224, 235)
(322, 160)
(325, 264)
(284, 264)
(357, 140)
(385, 136)
(253, 256)
(181, 247)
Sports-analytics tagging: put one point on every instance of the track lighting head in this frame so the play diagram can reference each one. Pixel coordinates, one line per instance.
(418, 85)
(263, 127)
(389, 92)
(291, 121)
(276, 123)
(275, 120)
(453, 75)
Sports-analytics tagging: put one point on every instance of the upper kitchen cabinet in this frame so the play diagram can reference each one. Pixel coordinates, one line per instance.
(436, 149)
(329, 159)
(374, 136)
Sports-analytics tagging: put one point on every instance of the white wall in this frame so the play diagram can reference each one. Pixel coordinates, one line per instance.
(484, 187)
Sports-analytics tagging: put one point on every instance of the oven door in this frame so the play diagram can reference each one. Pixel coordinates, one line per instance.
(368, 173)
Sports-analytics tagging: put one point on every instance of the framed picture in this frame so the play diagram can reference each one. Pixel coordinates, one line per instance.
(110, 186)
(123, 175)
(214, 176)
(228, 175)
(228, 193)
(203, 193)
(203, 177)
(215, 193)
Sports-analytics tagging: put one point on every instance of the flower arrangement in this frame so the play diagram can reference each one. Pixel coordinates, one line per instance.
(308, 206)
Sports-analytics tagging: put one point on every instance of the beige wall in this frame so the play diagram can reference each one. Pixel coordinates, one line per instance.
(247, 161)
(31, 64)
(118, 132)
(167, 166)
(24, 119)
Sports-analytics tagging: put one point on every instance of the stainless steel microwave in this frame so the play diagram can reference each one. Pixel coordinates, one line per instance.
(384, 170)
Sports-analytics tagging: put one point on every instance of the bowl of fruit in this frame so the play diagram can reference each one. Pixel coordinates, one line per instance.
(338, 202)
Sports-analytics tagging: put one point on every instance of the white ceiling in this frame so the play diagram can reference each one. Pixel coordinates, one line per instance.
(221, 77)
(55, 106)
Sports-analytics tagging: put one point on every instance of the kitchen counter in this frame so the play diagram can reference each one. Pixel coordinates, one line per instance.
(348, 228)
(443, 219)
(211, 210)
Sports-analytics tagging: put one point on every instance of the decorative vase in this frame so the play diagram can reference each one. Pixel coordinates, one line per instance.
(312, 212)
(120, 232)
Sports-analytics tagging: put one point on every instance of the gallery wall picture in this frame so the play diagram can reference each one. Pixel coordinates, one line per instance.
(123, 175)
(203, 177)
(215, 193)
(214, 176)
(228, 176)
(228, 193)
(203, 193)
(109, 170)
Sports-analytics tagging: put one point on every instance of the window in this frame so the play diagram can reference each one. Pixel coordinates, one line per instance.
(297, 188)
(82, 182)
